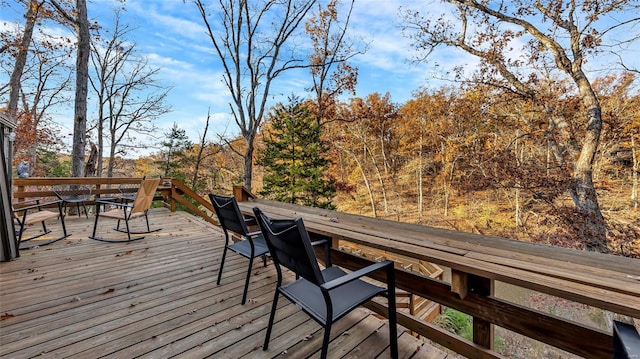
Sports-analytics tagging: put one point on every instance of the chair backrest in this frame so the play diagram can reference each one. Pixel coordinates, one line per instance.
(129, 189)
(290, 246)
(66, 191)
(144, 197)
(229, 215)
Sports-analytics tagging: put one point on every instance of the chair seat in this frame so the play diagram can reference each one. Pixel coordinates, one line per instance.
(343, 298)
(120, 214)
(76, 198)
(243, 247)
(39, 216)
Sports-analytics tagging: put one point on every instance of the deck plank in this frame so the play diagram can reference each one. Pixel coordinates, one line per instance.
(158, 297)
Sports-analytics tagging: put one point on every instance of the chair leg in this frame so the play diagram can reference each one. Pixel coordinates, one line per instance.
(19, 235)
(147, 219)
(64, 227)
(44, 227)
(393, 327)
(246, 281)
(95, 224)
(272, 316)
(325, 341)
(126, 222)
(224, 255)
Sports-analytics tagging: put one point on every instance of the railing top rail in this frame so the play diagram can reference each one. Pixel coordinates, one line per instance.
(601, 280)
(50, 181)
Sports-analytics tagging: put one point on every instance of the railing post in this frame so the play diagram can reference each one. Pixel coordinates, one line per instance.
(173, 195)
(483, 331)
(21, 189)
(241, 193)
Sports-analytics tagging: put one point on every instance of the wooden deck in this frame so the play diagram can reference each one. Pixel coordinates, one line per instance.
(157, 298)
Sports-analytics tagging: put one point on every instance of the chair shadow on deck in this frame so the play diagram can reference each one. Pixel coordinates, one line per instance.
(125, 210)
(325, 295)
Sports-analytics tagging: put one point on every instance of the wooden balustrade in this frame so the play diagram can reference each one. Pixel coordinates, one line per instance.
(475, 262)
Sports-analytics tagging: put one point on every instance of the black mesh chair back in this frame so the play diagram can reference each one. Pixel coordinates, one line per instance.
(289, 250)
(325, 295)
(229, 214)
(250, 246)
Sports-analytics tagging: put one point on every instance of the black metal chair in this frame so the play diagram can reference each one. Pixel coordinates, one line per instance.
(325, 295)
(250, 246)
(32, 212)
(626, 341)
(73, 193)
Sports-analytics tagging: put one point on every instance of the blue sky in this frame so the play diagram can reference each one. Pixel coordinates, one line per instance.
(171, 35)
(174, 37)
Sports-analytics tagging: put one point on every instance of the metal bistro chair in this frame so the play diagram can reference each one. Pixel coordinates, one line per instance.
(232, 220)
(78, 194)
(325, 295)
(125, 211)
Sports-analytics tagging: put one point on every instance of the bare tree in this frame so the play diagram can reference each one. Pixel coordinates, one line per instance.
(558, 34)
(251, 43)
(39, 74)
(331, 51)
(80, 22)
(201, 155)
(33, 7)
(124, 84)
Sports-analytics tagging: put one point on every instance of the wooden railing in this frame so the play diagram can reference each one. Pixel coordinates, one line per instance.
(27, 188)
(475, 262)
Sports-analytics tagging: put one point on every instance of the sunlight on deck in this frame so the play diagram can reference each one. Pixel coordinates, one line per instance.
(157, 298)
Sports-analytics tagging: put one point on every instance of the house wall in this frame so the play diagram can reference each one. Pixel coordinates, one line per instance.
(8, 248)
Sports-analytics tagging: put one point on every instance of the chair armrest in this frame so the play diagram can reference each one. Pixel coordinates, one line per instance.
(38, 205)
(112, 202)
(333, 284)
(320, 242)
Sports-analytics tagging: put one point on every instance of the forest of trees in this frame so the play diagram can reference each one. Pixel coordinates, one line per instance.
(532, 148)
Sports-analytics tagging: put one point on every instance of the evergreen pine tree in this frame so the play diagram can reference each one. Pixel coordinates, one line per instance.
(175, 145)
(293, 158)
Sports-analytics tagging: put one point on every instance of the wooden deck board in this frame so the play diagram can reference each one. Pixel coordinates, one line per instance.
(158, 297)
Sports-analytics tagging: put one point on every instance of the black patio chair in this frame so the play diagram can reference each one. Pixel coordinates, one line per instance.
(325, 295)
(73, 193)
(626, 341)
(250, 245)
(32, 212)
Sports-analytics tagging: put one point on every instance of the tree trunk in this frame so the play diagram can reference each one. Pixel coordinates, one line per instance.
(420, 189)
(634, 175)
(82, 79)
(203, 141)
(248, 164)
(90, 168)
(112, 156)
(585, 196)
(380, 179)
(21, 59)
